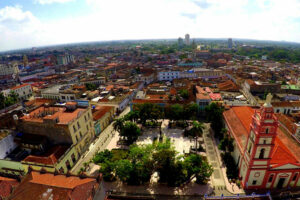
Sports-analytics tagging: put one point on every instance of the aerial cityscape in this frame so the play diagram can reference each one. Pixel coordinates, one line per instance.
(89, 113)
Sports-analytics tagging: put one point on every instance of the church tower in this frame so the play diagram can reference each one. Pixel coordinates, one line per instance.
(260, 144)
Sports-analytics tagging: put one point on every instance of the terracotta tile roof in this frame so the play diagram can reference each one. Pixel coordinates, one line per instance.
(228, 86)
(173, 91)
(202, 96)
(282, 104)
(281, 154)
(238, 120)
(6, 186)
(36, 186)
(287, 122)
(49, 158)
(286, 149)
(295, 103)
(101, 111)
(157, 96)
(20, 86)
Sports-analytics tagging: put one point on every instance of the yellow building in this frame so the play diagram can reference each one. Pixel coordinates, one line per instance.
(49, 137)
(102, 116)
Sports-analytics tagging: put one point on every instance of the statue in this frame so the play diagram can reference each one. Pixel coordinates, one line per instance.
(268, 100)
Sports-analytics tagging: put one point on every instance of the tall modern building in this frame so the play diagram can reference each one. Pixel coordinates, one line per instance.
(229, 43)
(180, 42)
(187, 39)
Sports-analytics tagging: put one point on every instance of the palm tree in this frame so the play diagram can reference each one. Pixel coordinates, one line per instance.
(118, 125)
(197, 131)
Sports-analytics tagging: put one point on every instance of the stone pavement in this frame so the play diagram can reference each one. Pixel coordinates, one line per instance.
(220, 182)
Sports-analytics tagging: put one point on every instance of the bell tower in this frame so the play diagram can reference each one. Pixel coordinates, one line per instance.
(260, 143)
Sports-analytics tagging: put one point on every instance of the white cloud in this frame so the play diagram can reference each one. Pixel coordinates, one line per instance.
(51, 1)
(136, 19)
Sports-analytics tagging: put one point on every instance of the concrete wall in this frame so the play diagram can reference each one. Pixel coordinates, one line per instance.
(7, 145)
(56, 134)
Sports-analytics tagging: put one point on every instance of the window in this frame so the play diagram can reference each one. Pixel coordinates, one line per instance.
(76, 138)
(295, 177)
(61, 170)
(271, 178)
(89, 116)
(250, 147)
(72, 98)
(73, 158)
(63, 97)
(80, 134)
(87, 127)
(74, 128)
(68, 165)
(84, 117)
(78, 125)
(264, 142)
(267, 130)
(262, 154)
(254, 182)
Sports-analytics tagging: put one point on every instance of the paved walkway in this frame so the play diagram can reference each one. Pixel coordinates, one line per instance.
(106, 140)
(219, 178)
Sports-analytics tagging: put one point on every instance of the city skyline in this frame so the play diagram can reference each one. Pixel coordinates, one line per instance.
(24, 24)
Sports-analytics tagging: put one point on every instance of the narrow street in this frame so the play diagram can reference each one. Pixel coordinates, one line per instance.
(99, 144)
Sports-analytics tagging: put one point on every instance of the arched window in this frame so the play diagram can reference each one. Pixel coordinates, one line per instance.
(271, 178)
(267, 130)
(262, 154)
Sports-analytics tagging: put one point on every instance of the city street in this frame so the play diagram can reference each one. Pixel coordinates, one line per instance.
(102, 142)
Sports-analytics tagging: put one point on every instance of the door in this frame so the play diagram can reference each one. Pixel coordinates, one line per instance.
(280, 183)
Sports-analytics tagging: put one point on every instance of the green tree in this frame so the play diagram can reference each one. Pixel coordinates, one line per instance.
(148, 111)
(184, 93)
(107, 169)
(196, 131)
(2, 101)
(226, 144)
(130, 131)
(214, 114)
(118, 124)
(91, 86)
(132, 116)
(102, 156)
(174, 112)
(124, 169)
(198, 166)
(190, 111)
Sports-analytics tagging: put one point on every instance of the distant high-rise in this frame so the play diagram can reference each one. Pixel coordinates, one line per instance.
(230, 43)
(180, 42)
(187, 39)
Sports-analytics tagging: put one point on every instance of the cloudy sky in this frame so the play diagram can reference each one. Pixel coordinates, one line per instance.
(29, 23)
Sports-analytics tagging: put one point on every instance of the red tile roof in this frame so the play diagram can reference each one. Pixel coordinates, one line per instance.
(36, 186)
(49, 158)
(286, 149)
(20, 86)
(6, 186)
(228, 86)
(101, 111)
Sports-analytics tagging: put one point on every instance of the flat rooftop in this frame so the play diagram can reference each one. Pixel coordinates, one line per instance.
(61, 114)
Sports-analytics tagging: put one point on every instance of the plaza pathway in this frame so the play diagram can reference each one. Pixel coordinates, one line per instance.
(220, 182)
(106, 140)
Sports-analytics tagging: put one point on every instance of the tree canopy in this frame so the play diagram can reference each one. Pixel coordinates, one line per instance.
(140, 162)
